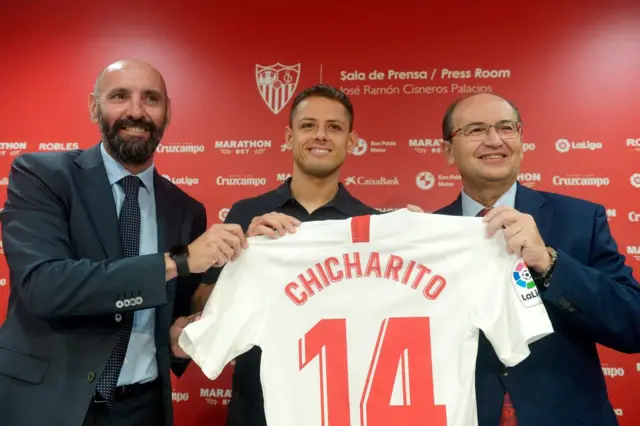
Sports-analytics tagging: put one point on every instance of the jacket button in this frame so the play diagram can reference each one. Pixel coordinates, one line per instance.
(91, 376)
(504, 371)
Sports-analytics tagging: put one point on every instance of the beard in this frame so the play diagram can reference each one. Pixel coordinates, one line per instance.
(132, 150)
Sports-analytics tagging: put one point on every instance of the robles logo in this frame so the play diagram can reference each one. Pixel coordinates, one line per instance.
(58, 146)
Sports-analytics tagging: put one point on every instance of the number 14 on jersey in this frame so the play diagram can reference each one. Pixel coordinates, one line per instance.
(403, 346)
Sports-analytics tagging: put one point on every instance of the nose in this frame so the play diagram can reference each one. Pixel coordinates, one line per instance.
(321, 134)
(492, 138)
(135, 109)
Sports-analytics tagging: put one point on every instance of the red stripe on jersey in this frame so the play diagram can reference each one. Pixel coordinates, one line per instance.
(360, 227)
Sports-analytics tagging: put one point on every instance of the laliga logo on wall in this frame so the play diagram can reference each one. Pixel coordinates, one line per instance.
(563, 145)
(360, 148)
(277, 84)
(635, 180)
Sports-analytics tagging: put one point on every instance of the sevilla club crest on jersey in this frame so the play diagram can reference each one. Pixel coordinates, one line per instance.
(277, 83)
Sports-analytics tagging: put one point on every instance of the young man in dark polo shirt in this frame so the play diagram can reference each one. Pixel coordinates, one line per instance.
(320, 135)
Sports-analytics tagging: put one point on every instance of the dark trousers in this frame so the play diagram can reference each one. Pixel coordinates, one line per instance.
(140, 409)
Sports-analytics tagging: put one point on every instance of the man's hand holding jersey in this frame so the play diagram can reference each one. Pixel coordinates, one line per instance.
(273, 225)
(522, 236)
(216, 246)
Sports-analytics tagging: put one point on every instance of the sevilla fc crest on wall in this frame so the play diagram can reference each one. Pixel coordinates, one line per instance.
(277, 83)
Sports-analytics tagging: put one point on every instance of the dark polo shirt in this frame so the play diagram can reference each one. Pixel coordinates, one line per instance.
(246, 407)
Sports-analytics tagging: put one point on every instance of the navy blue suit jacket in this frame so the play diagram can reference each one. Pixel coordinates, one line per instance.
(61, 241)
(592, 298)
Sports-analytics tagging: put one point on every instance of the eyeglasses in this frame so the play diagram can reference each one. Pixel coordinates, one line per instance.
(475, 132)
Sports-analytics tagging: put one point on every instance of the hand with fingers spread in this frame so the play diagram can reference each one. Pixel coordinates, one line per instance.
(216, 246)
(521, 234)
(273, 225)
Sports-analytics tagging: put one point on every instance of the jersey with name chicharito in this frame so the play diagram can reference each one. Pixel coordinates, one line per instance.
(371, 321)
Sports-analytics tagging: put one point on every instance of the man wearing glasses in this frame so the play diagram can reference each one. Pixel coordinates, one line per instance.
(589, 292)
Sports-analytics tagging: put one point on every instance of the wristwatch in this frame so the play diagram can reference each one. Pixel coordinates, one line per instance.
(545, 276)
(179, 255)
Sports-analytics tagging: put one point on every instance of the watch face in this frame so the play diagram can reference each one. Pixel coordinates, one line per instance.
(178, 251)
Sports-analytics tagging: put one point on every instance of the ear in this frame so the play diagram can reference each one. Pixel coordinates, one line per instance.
(288, 137)
(521, 143)
(93, 108)
(447, 151)
(353, 141)
(168, 111)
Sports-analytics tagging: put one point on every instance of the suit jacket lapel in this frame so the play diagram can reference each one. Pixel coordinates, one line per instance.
(168, 214)
(169, 217)
(527, 201)
(453, 209)
(96, 193)
(533, 202)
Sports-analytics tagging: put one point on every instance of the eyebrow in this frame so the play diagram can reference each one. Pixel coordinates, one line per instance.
(330, 121)
(154, 92)
(476, 123)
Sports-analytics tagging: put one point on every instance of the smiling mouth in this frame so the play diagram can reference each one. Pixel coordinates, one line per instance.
(493, 157)
(319, 150)
(136, 130)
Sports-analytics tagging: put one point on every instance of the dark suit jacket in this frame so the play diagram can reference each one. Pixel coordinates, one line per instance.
(592, 298)
(62, 244)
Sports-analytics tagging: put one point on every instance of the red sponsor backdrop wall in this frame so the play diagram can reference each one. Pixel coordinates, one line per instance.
(572, 69)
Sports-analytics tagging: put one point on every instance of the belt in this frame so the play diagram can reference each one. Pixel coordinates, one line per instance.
(127, 391)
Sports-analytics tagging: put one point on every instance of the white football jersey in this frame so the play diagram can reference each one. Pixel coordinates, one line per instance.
(371, 321)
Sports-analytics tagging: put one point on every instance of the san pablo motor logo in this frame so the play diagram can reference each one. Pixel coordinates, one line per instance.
(277, 84)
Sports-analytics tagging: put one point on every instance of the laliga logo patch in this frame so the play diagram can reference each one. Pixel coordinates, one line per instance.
(524, 285)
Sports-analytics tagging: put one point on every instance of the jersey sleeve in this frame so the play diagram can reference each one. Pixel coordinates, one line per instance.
(510, 310)
(233, 317)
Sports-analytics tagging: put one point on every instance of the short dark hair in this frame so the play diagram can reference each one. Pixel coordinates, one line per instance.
(323, 91)
(447, 121)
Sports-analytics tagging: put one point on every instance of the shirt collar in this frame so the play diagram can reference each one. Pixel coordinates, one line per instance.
(115, 170)
(470, 207)
(343, 201)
